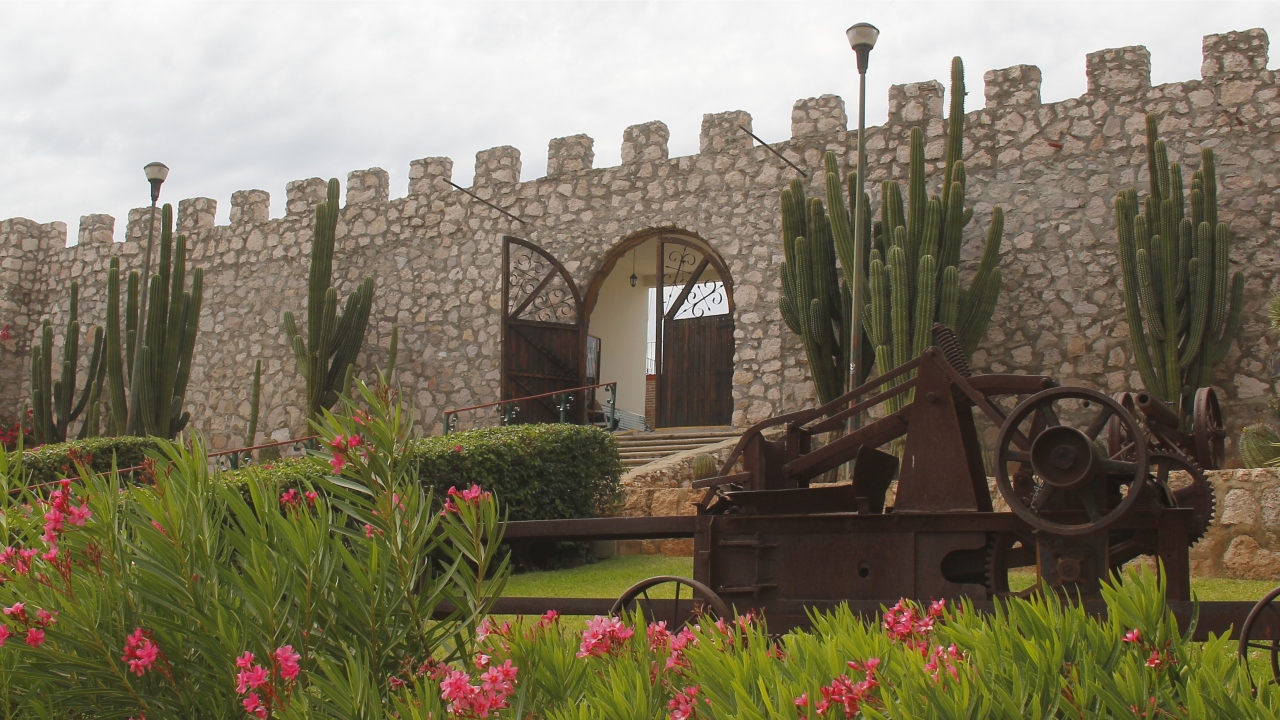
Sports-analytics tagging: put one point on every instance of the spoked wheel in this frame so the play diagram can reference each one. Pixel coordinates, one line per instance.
(1211, 448)
(1068, 469)
(677, 600)
(1271, 646)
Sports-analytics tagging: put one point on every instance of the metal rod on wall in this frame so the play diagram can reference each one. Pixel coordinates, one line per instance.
(486, 202)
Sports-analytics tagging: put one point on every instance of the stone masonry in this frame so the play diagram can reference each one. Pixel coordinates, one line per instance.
(435, 253)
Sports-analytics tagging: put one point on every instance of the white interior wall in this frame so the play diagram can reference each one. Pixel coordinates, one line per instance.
(619, 319)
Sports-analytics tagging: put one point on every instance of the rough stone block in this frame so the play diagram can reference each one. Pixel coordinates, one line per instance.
(135, 229)
(1118, 71)
(196, 215)
(722, 132)
(822, 115)
(426, 175)
(1016, 85)
(250, 207)
(497, 166)
(914, 103)
(302, 196)
(97, 229)
(645, 142)
(570, 154)
(368, 186)
(1234, 54)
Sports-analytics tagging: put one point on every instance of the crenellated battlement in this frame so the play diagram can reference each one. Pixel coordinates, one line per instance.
(434, 251)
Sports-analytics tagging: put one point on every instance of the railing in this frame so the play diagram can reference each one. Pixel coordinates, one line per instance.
(509, 409)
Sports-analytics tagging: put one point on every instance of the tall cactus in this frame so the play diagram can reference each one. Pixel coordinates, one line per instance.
(148, 361)
(52, 405)
(1183, 308)
(327, 354)
(913, 277)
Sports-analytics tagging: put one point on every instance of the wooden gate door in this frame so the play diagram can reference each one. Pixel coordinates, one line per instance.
(543, 334)
(693, 338)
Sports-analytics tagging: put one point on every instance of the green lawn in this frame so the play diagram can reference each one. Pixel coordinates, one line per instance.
(609, 578)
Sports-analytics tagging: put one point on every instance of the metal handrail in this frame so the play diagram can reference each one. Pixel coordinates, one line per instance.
(510, 408)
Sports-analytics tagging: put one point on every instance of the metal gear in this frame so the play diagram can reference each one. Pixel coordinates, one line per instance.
(1195, 492)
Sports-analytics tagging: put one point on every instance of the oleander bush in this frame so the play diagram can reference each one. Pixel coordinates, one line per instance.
(1036, 658)
(194, 598)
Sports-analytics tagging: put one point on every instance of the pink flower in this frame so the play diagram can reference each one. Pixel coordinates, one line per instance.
(140, 652)
(548, 619)
(78, 516)
(369, 530)
(251, 679)
(1155, 660)
(287, 660)
(51, 554)
(602, 636)
(354, 441)
(802, 701)
(311, 497)
(45, 618)
(35, 637)
(4, 634)
(1133, 636)
(18, 611)
(337, 463)
(253, 706)
(159, 527)
(245, 661)
(682, 705)
(338, 443)
(396, 683)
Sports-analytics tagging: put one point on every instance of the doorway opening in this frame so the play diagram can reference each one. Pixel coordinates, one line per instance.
(660, 323)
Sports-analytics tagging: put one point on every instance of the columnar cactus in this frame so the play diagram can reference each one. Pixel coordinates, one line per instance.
(52, 411)
(251, 432)
(913, 277)
(1183, 308)
(148, 360)
(327, 354)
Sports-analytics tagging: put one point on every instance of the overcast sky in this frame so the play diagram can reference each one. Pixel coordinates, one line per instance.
(238, 95)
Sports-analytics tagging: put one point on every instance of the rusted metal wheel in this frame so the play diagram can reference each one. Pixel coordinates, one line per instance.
(1211, 449)
(1270, 646)
(677, 600)
(1069, 471)
(1007, 551)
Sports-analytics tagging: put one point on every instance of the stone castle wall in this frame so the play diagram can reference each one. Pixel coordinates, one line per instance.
(436, 253)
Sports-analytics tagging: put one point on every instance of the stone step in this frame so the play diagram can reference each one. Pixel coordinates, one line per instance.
(686, 440)
(674, 447)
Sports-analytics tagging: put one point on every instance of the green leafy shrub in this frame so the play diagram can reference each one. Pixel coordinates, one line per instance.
(50, 463)
(541, 472)
(193, 598)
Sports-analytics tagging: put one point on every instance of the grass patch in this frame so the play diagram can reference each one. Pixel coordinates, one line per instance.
(609, 578)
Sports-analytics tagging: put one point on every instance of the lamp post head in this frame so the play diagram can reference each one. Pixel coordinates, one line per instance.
(862, 37)
(156, 174)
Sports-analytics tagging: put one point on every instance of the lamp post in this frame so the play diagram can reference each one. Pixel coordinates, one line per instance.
(862, 37)
(156, 172)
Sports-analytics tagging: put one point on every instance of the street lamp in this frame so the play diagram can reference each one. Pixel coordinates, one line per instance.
(156, 172)
(862, 37)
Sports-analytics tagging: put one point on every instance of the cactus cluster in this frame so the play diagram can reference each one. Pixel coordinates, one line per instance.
(326, 355)
(148, 360)
(1182, 303)
(53, 403)
(1259, 446)
(912, 267)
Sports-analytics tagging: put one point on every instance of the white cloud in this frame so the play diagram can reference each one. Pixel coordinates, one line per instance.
(252, 95)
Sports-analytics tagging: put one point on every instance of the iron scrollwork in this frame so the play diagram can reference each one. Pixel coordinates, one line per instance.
(528, 272)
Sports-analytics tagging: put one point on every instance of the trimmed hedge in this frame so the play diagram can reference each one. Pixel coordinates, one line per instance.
(539, 472)
(50, 463)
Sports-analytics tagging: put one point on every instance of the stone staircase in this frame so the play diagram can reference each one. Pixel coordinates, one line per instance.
(641, 448)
